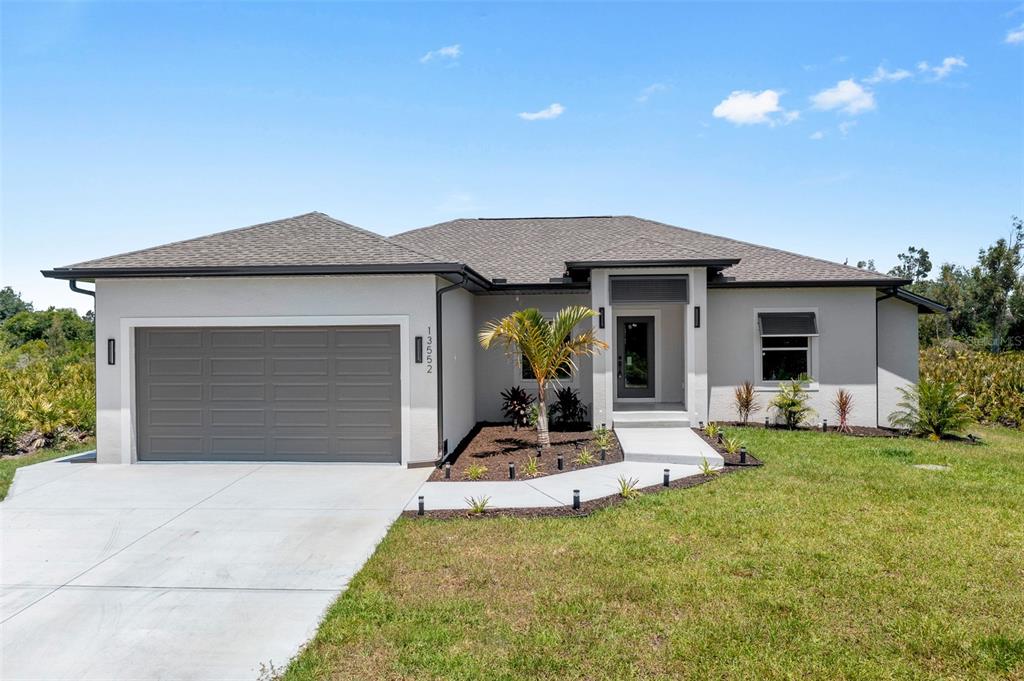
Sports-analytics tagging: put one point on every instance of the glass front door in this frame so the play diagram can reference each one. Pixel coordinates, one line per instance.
(635, 357)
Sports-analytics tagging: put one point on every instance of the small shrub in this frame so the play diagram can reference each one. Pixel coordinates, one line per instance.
(477, 505)
(515, 405)
(628, 487)
(707, 469)
(843, 404)
(584, 457)
(567, 408)
(791, 404)
(732, 445)
(476, 471)
(712, 430)
(532, 467)
(932, 408)
(746, 400)
(603, 438)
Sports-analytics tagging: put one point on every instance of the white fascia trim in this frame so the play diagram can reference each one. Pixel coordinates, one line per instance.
(129, 453)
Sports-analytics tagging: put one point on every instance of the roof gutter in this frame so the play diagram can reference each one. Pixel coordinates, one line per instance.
(439, 323)
(73, 284)
(440, 268)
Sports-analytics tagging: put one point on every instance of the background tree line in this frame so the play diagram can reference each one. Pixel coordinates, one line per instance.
(985, 301)
(47, 376)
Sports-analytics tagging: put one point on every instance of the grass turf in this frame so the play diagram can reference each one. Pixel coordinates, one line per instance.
(838, 559)
(9, 464)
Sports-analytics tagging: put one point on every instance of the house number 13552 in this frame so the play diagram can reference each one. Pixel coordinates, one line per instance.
(428, 351)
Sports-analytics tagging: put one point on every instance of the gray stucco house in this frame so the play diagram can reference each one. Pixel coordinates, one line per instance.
(309, 339)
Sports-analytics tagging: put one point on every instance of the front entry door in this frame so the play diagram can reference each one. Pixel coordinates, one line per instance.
(634, 345)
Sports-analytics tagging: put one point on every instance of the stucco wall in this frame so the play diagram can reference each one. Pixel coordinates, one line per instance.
(409, 298)
(845, 347)
(683, 367)
(496, 372)
(459, 349)
(897, 354)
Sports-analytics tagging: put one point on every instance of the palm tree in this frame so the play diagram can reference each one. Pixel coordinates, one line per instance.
(547, 346)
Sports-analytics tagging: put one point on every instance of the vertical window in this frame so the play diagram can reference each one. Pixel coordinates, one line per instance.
(786, 344)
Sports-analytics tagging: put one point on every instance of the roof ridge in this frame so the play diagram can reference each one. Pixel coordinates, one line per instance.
(767, 248)
(381, 237)
(196, 238)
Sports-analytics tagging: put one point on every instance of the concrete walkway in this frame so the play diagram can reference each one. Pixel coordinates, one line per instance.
(551, 490)
(181, 571)
(668, 445)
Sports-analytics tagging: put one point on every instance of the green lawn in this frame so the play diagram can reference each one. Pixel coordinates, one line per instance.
(838, 559)
(9, 464)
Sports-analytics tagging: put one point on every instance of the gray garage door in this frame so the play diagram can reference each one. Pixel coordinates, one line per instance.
(269, 394)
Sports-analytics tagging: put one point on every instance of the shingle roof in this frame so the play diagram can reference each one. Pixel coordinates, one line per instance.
(310, 239)
(532, 250)
(521, 250)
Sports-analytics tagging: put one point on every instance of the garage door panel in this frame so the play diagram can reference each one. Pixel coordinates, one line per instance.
(237, 417)
(236, 392)
(300, 338)
(237, 366)
(301, 392)
(175, 366)
(300, 366)
(175, 340)
(237, 338)
(176, 392)
(288, 394)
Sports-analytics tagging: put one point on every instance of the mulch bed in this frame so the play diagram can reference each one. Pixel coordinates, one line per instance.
(495, 445)
(730, 459)
(855, 431)
(586, 507)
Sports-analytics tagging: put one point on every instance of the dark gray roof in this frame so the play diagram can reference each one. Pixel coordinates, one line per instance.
(531, 250)
(310, 239)
(521, 250)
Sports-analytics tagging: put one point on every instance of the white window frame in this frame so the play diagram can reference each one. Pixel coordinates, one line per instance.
(813, 353)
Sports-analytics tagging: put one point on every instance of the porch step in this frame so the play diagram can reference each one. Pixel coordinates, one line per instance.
(667, 445)
(650, 419)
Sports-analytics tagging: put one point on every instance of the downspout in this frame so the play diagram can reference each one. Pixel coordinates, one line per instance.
(73, 283)
(441, 454)
(878, 394)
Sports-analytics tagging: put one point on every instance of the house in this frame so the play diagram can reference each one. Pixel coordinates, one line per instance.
(309, 339)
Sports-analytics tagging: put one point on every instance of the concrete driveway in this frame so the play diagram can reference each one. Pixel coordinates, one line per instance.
(181, 571)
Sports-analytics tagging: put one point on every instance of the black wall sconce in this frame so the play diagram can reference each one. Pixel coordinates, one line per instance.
(600, 317)
(419, 349)
(696, 317)
(111, 351)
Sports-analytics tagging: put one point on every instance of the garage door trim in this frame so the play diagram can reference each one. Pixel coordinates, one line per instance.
(129, 430)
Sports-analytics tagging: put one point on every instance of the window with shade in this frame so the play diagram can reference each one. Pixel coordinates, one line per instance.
(786, 344)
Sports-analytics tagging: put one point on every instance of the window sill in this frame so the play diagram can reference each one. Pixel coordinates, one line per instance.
(777, 386)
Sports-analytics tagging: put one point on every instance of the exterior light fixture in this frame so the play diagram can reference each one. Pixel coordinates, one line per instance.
(696, 316)
(600, 317)
(111, 351)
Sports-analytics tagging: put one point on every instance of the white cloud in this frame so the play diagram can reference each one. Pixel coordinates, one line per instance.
(743, 107)
(883, 74)
(846, 126)
(944, 69)
(650, 90)
(1015, 36)
(452, 52)
(553, 111)
(848, 96)
(817, 135)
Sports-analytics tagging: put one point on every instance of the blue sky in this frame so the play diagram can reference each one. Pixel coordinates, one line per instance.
(129, 125)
